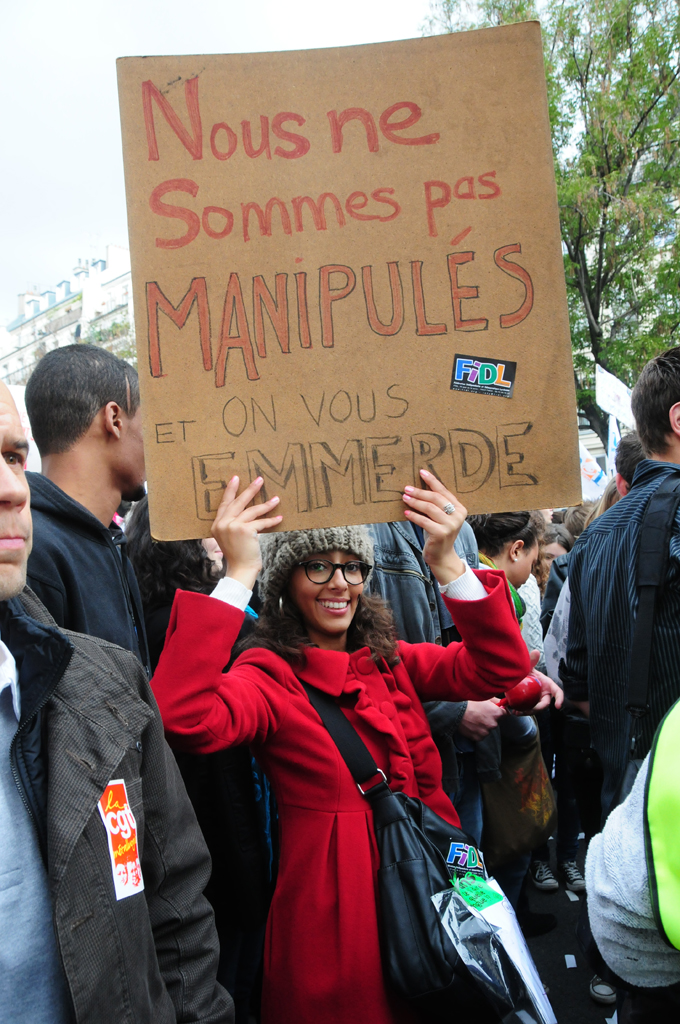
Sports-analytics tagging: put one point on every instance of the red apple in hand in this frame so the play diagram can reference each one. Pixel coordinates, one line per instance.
(524, 696)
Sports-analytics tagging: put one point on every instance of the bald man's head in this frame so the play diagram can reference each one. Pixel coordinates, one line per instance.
(15, 512)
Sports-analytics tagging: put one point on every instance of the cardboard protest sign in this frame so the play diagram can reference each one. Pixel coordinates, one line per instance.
(347, 265)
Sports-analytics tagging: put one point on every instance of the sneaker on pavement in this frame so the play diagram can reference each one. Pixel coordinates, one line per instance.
(573, 879)
(542, 876)
(601, 991)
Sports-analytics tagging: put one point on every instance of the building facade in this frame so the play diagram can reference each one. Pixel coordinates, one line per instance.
(93, 305)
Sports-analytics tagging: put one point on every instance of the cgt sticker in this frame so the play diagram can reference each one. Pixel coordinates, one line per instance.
(483, 376)
(121, 831)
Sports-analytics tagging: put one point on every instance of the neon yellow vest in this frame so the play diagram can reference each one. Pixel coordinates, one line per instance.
(662, 826)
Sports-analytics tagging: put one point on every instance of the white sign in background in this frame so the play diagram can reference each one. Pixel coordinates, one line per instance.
(612, 444)
(612, 395)
(593, 479)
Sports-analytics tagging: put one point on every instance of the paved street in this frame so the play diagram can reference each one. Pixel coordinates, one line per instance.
(568, 986)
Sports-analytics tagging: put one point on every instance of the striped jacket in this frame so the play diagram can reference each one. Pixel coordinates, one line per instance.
(603, 608)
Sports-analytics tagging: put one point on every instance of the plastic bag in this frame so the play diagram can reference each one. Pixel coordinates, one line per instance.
(492, 947)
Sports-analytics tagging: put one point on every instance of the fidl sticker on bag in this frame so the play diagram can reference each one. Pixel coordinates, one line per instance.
(121, 831)
(465, 859)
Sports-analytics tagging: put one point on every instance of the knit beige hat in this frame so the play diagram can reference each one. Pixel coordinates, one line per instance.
(282, 551)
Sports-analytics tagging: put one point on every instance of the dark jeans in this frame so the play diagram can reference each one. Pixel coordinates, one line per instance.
(551, 725)
(511, 876)
(240, 958)
(468, 798)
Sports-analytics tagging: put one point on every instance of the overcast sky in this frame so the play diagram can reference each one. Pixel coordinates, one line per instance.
(61, 148)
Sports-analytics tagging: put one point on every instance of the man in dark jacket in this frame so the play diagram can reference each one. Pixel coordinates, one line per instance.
(102, 864)
(83, 404)
(604, 599)
(628, 454)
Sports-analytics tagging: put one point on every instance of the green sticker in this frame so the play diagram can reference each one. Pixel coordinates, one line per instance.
(477, 893)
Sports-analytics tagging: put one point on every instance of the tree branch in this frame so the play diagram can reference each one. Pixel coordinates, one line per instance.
(647, 112)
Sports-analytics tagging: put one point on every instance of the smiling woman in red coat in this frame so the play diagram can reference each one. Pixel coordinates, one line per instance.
(322, 954)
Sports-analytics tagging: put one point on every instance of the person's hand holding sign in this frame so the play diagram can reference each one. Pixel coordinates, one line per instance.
(441, 515)
(236, 527)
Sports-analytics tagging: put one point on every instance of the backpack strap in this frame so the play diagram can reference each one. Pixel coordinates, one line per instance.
(652, 564)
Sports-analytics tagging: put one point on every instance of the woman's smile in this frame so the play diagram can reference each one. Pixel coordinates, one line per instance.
(334, 607)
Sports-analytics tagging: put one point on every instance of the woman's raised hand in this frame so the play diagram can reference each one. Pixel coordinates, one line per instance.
(426, 508)
(236, 528)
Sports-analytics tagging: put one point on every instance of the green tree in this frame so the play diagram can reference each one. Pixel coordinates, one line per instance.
(117, 337)
(612, 68)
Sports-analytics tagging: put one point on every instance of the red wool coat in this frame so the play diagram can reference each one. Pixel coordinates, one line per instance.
(322, 954)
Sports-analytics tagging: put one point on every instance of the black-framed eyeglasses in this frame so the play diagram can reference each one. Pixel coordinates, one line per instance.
(320, 570)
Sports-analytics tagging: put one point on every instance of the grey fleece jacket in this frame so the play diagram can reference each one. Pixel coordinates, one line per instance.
(619, 902)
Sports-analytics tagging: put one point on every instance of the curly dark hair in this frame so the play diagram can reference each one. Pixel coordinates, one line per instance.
(497, 529)
(282, 630)
(161, 567)
(541, 568)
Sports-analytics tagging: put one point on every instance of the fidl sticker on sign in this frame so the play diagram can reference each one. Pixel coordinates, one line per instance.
(483, 376)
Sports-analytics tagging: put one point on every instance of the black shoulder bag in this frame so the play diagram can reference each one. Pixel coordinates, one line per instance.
(420, 854)
(652, 565)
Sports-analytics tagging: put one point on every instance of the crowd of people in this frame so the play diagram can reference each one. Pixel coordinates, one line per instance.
(232, 873)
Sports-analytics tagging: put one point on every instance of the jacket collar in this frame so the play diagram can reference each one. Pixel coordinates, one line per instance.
(408, 533)
(41, 652)
(651, 469)
(327, 670)
(42, 655)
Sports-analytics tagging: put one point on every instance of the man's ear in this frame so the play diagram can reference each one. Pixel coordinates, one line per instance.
(622, 485)
(674, 419)
(113, 420)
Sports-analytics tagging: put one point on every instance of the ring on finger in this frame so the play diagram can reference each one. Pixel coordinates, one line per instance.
(449, 508)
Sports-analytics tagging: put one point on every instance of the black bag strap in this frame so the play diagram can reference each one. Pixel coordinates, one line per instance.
(353, 750)
(652, 563)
